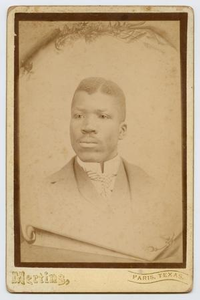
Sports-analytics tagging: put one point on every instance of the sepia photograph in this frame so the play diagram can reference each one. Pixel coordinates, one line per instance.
(100, 104)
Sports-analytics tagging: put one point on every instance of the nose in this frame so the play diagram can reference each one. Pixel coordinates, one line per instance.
(88, 125)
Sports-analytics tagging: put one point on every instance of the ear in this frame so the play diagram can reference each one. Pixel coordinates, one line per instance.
(122, 130)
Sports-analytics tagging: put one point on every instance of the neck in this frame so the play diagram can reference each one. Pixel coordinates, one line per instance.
(102, 167)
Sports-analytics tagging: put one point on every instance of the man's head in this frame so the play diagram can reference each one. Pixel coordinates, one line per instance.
(97, 119)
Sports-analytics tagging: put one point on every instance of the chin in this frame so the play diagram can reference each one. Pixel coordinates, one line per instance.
(90, 158)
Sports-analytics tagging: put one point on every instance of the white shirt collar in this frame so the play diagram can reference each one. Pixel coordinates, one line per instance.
(110, 167)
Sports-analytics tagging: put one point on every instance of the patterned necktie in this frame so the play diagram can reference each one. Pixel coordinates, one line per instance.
(104, 183)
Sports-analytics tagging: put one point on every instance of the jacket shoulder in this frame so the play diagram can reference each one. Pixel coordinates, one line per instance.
(63, 174)
(136, 173)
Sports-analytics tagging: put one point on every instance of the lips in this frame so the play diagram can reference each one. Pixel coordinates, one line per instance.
(87, 143)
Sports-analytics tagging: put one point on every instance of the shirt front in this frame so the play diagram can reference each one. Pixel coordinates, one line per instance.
(103, 181)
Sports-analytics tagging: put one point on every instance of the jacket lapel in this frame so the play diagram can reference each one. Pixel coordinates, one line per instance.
(86, 188)
(120, 194)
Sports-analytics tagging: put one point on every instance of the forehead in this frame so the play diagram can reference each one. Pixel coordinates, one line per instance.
(96, 100)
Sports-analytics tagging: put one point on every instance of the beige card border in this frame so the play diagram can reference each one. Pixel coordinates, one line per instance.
(110, 280)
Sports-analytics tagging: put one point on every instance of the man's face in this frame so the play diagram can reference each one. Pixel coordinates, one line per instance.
(96, 126)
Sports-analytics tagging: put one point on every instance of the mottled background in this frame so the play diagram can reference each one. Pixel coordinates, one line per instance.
(147, 67)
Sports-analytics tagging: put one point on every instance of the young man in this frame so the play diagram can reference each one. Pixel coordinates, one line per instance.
(99, 207)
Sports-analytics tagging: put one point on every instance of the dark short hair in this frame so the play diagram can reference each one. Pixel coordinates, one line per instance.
(92, 85)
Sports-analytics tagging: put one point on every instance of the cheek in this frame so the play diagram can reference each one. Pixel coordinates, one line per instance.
(74, 130)
(112, 137)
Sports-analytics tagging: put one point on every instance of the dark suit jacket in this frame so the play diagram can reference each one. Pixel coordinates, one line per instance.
(75, 224)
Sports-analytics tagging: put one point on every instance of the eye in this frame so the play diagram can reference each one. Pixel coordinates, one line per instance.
(103, 116)
(78, 116)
